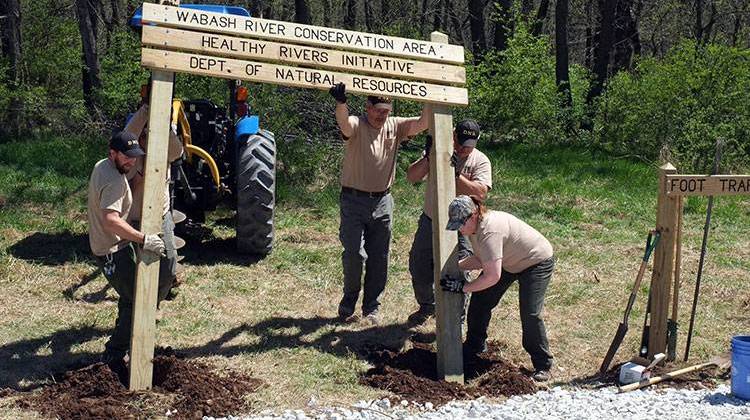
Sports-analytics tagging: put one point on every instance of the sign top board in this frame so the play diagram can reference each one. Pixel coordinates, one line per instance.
(708, 185)
(301, 34)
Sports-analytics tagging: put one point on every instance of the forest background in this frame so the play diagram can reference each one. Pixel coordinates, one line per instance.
(649, 80)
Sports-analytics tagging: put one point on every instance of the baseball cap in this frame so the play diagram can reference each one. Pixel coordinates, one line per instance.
(127, 143)
(467, 132)
(459, 210)
(380, 102)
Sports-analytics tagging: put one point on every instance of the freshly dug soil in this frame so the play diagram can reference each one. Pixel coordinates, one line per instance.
(189, 389)
(412, 375)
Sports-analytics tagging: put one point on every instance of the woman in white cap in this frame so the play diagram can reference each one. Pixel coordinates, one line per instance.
(506, 249)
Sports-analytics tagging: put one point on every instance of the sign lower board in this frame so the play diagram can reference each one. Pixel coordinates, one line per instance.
(300, 77)
(244, 48)
(708, 185)
(199, 20)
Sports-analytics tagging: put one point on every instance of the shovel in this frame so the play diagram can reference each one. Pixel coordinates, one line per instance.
(622, 329)
(722, 361)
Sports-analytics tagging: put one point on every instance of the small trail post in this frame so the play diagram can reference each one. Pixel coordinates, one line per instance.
(667, 258)
(193, 41)
(661, 279)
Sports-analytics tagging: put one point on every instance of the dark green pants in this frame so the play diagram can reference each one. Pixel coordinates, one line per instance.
(532, 286)
(119, 269)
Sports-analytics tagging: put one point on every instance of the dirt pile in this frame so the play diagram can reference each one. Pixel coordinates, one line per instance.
(412, 375)
(188, 389)
(198, 390)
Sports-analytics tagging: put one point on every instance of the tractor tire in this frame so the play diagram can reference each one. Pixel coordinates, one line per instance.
(256, 193)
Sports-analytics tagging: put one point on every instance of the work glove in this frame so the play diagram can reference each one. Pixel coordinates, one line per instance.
(338, 91)
(455, 164)
(154, 243)
(451, 284)
(427, 145)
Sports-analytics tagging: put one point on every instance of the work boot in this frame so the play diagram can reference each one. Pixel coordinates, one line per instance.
(420, 316)
(117, 365)
(474, 350)
(346, 314)
(540, 375)
(372, 318)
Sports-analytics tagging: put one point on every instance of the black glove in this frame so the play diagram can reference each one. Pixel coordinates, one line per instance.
(427, 145)
(338, 91)
(454, 164)
(450, 284)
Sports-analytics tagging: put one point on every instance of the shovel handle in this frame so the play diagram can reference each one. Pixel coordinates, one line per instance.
(651, 245)
(657, 379)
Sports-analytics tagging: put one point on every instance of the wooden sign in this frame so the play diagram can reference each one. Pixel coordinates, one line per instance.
(708, 185)
(300, 77)
(288, 32)
(244, 48)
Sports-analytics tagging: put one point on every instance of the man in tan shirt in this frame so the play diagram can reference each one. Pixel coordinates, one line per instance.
(111, 237)
(473, 173)
(371, 144)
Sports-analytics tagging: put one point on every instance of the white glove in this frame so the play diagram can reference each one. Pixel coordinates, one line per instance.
(154, 243)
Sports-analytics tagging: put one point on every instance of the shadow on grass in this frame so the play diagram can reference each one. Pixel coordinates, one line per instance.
(52, 248)
(215, 251)
(95, 297)
(274, 334)
(28, 363)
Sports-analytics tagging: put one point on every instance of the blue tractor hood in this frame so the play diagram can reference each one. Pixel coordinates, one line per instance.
(135, 21)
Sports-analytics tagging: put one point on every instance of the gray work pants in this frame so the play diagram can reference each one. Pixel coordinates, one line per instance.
(365, 233)
(421, 264)
(532, 285)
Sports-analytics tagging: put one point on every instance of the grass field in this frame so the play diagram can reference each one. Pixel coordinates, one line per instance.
(275, 318)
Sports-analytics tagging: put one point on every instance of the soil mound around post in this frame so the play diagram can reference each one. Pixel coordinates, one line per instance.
(187, 389)
(412, 375)
(199, 390)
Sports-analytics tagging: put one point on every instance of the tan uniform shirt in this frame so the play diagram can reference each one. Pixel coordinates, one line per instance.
(503, 236)
(108, 190)
(475, 168)
(370, 154)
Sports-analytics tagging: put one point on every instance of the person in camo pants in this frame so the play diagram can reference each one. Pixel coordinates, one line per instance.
(371, 143)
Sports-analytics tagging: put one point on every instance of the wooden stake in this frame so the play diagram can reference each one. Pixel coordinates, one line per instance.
(147, 276)
(666, 223)
(449, 305)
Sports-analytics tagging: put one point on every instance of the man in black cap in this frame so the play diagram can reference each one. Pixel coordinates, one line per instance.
(111, 237)
(473, 177)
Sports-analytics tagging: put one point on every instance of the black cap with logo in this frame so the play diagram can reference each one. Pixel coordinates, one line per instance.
(127, 143)
(467, 132)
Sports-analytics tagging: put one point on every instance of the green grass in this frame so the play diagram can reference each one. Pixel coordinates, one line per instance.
(273, 318)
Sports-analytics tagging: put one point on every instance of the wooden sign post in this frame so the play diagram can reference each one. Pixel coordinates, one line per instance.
(266, 51)
(667, 258)
(147, 275)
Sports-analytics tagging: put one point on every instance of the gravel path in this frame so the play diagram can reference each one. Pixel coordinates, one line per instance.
(557, 403)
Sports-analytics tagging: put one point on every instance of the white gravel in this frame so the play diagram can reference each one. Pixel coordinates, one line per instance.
(556, 403)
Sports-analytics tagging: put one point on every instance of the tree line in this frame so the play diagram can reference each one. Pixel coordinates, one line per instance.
(45, 43)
